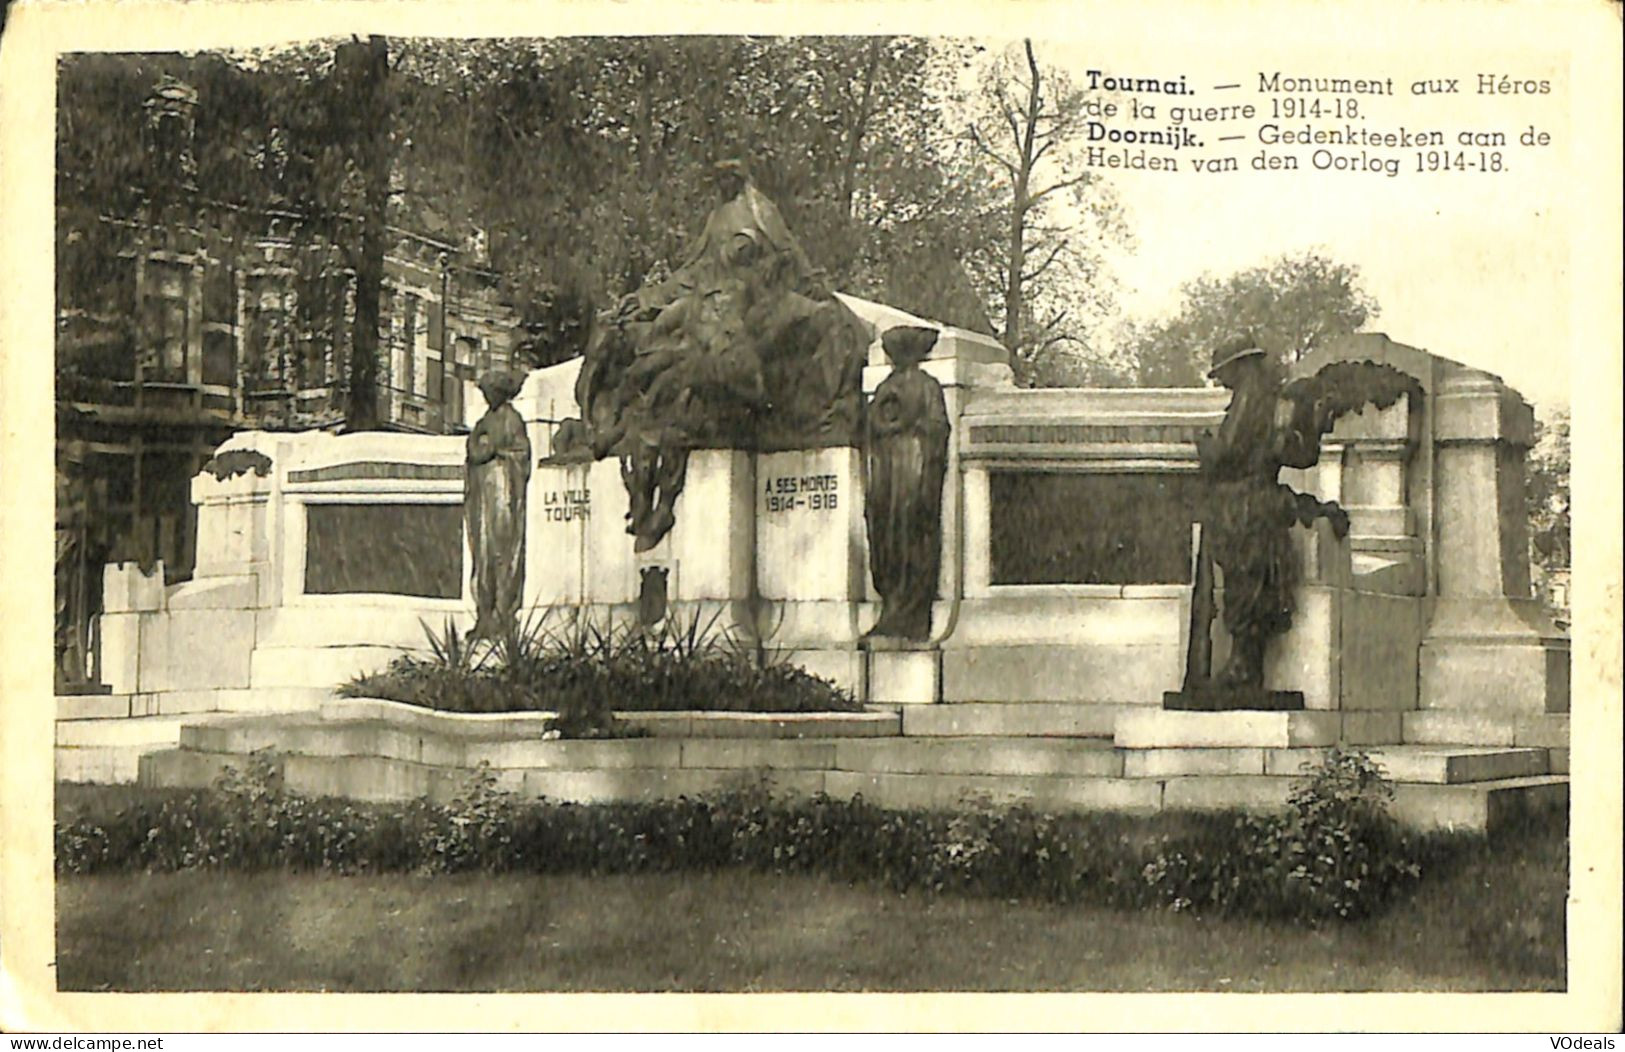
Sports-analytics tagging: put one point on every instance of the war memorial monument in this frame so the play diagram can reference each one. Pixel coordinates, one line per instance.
(1123, 599)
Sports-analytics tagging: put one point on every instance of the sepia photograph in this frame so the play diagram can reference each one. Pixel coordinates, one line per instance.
(1021, 505)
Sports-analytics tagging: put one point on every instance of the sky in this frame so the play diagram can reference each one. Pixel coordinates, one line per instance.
(1472, 265)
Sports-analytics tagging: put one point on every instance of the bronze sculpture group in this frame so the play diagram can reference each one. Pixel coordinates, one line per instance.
(739, 348)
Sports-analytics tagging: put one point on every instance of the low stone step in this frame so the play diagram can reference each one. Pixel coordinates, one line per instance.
(1073, 757)
(103, 764)
(1455, 764)
(1162, 729)
(1472, 806)
(512, 725)
(1181, 763)
(1013, 719)
(93, 706)
(765, 724)
(951, 791)
(135, 730)
(1480, 806)
(369, 778)
(643, 783)
(1485, 727)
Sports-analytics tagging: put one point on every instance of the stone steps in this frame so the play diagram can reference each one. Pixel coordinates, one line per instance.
(771, 725)
(188, 702)
(310, 736)
(1486, 727)
(1014, 719)
(133, 731)
(1456, 765)
(1474, 806)
(109, 764)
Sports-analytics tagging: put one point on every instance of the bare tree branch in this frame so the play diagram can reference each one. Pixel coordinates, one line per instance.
(976, 137)
(1032, 275)
(1062, 185)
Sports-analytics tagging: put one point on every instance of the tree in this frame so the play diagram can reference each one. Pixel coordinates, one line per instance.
(588, 161)
(1546, 494)
(1293, 304)
(1056, 216)
(361, 74)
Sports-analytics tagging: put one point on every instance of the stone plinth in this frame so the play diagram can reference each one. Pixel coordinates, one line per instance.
(560, 507)
(710, 547)
(811, 559)
(1159, 729)
(903, 676)
(810, 542)
(1215, 698)
(609, 567)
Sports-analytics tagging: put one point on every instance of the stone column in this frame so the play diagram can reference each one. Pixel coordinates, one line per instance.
(1489, 645)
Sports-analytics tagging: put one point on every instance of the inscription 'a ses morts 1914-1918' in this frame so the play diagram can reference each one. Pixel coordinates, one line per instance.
(784, 493)
(905, 462)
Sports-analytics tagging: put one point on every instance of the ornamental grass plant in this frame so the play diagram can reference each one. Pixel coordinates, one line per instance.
(584, 669)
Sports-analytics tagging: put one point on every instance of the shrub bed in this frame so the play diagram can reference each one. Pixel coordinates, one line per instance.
(1334, 854)
(585, 670)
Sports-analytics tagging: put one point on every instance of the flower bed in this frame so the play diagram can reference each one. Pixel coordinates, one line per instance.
(585, 670)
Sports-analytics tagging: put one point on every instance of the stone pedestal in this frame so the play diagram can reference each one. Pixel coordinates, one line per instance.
(811, 559)
(1488, 645)
(709, 551)
(903, 675)
(560, 508)
(810, 542)
(609, 570)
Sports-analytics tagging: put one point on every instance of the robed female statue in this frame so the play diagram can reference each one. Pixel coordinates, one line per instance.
(494, 506)
(905, 462)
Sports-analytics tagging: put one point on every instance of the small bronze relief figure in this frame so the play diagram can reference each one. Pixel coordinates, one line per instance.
(905, 461)
(494, 506)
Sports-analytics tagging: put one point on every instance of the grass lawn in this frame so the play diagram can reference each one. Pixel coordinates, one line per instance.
(1494, 922)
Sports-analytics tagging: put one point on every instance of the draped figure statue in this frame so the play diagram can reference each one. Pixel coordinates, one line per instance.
(494, 506)
(905, 461)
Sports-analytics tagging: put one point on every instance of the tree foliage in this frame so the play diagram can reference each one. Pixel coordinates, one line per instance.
(576, 167)
(1293, 304)
(1054, 219)
(1547, 500)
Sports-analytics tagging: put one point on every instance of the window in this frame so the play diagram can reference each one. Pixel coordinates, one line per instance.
(219, 324)
(320, 316)
(164, 312)
(409, 342)
(266, 341)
